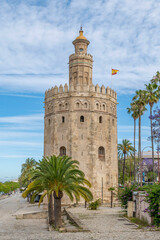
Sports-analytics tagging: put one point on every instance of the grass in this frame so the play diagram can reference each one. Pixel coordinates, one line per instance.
(140, 223)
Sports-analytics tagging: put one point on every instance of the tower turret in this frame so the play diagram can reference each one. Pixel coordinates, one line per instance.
(80, 63)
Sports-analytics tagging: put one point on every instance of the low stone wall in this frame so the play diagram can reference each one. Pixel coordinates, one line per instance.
(33, 215)
(140, 206)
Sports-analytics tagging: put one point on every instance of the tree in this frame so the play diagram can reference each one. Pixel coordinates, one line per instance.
(134, 111)
(156, 78)
(8, 187)
(29, 164)
(147, 164)
(125, 149)
(156, 133)
(58, 175)
(26, 173)
(152, 96)
(140, 101)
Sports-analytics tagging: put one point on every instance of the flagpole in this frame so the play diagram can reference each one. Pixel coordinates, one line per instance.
(111, 77)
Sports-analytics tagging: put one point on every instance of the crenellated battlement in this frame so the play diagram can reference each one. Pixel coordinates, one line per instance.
(96, 89)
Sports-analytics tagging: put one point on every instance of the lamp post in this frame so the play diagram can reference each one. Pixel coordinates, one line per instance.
(141, 167)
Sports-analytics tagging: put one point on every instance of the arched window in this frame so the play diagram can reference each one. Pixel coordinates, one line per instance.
(60, 106)
(66, 105)
(77, 105)
(112, 122)
(62, 151)
(85, 105)
(100, 119)
(103, 107)
(81, 118)
(49, 121)
(101, 153)
(97, 106)
(63, 119)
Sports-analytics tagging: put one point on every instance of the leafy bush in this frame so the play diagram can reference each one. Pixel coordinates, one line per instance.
(8, 187)
(125, 195)
(94, 205)
(153, 198)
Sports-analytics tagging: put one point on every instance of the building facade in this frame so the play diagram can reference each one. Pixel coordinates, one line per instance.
(81, 122)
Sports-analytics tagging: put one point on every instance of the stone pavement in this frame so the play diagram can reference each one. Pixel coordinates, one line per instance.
(104, 224)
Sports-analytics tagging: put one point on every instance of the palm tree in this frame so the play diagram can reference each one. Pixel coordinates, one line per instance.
(29, 163)
(156, 78)
(26, 173)
(56, 175)
(134, 111)
(152, 96)
(140, 101)
(125, 149)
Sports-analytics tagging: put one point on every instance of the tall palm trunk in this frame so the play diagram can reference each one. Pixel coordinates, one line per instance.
(139, 148)
(158, 165)
(124, 167)
(152, 144)
(50, 210)
(57, 210)
(134, 149)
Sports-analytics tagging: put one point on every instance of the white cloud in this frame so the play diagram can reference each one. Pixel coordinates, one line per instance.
(130, 128)
(21, 135)
(38, 39)
(21, 143)
(19, 95)
(27, 119)
(11, 156)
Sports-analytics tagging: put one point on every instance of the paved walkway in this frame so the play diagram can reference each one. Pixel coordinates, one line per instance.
(104, 224)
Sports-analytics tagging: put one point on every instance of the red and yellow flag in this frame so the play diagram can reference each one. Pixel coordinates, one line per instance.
(114, 71)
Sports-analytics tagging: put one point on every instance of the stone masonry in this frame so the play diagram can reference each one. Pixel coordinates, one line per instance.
(81, 122)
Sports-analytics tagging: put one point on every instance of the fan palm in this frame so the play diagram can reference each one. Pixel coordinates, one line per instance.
(139, 100)
(134, 111)
(56, 175)
(152, 96)
(125, 149)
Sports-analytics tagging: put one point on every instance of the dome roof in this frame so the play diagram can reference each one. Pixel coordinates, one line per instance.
(81, 38)
(81, 35)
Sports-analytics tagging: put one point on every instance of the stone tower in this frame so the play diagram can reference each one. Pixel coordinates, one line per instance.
(81, 122)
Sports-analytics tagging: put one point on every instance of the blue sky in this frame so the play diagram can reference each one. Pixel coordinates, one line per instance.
(35, 43)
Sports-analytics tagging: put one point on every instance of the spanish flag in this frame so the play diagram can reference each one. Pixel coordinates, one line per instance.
(114, 71)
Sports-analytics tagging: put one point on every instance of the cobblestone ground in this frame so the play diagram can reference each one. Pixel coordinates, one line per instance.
(104, 224)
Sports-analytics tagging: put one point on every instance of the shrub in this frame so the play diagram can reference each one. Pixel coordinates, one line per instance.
(94, 205)
(153, 198)
(125, 195)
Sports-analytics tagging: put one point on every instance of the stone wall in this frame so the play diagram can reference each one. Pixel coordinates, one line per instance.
(82, 140)
(141, 205)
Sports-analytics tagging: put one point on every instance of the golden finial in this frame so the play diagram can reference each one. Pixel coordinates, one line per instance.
(81, 34)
